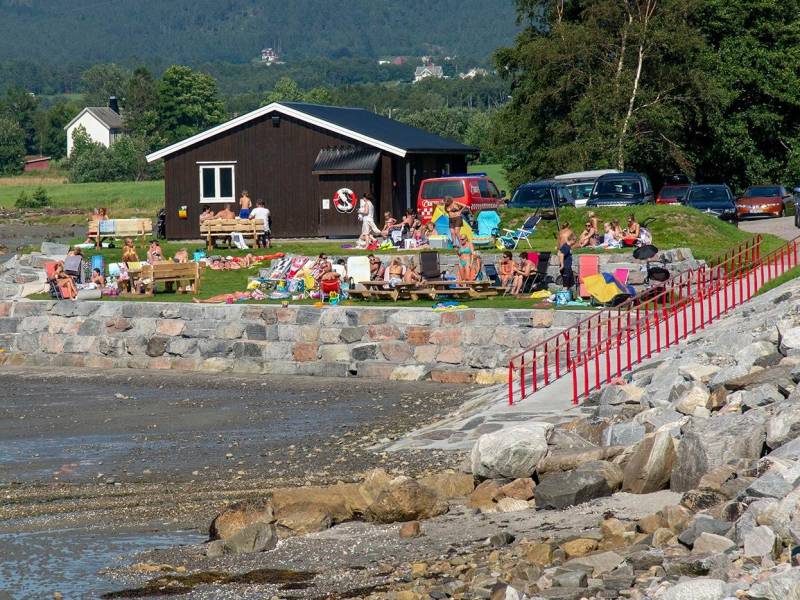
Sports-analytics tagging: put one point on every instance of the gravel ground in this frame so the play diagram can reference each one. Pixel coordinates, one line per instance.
(163, 452)
(783, 227)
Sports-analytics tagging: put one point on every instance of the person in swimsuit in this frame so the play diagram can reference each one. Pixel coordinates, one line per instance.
(245, 204)
(564, 233)
(466, 255)
(396, 270)
(522, 271)
(455, 211)
(632, 233)
(376, 268)
(506, 270)
(129, 252)
(155, 254)
(412, 275)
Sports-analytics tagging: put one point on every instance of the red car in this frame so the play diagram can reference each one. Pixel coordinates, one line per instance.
(672, 194)
(763, 200)
(476, 191)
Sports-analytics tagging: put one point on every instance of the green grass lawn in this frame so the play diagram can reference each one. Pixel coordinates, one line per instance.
(496, 173)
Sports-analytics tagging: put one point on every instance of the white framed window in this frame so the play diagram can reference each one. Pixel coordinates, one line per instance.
(217, 182)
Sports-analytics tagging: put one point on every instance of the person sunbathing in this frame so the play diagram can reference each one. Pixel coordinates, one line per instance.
(224, 298)
(129, 252)
(412, 275)
(609, 239)
(588, 236)
(390, 223)
(506, 270)
(64, 281)
(98, 279)
(396, 271)
(376, 268)
(155, 253)
(522, 270)
(225, 213)
(206, 214)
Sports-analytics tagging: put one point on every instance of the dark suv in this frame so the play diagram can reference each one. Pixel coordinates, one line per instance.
(541, 194)
(621, 189)
(716, 199)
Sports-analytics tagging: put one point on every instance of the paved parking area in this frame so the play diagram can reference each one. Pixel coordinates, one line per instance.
(783, 227)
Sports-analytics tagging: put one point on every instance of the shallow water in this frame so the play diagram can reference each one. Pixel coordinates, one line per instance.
(36, 564)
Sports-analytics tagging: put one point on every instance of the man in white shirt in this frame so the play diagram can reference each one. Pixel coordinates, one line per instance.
(261, 212)
(366, 213)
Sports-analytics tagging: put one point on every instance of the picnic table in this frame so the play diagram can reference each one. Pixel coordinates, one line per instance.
(119, 228)
(430, 289)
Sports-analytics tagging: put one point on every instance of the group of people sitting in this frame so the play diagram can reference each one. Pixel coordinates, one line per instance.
(612, 235)
(407, 231)
(246, 211)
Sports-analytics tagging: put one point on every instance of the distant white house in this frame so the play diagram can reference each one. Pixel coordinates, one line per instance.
(102, 123)
(270, 57)
(428, 70)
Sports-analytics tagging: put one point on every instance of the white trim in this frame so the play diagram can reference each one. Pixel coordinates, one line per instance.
(217, 167)
(264, 110)
(217, 162)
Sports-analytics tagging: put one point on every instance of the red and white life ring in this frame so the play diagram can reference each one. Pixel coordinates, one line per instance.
(344, 200)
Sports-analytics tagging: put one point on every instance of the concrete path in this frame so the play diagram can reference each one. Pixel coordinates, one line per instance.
(782, 227)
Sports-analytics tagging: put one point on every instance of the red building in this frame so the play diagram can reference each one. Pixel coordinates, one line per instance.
(36, 163)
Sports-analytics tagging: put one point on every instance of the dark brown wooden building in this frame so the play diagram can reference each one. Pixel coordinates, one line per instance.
(296, 157)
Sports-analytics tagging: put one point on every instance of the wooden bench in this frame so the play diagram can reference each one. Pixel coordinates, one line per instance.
(223, 228)
(170, 272)
(121, 228)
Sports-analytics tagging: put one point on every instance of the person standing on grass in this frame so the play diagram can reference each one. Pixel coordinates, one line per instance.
(262, 212)
(455, 212)
(366, 214)
(245, 204)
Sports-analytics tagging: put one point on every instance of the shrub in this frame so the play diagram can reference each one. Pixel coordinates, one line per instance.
(39, 199)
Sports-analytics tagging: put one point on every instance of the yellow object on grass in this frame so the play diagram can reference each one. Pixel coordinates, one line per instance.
(540, 295)
(438, 212)
(599, 289)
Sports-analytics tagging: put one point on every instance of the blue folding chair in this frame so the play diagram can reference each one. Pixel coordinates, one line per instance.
(512, 237)
(98, 262)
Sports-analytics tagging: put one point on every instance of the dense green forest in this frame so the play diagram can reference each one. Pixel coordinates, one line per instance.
(198, 31)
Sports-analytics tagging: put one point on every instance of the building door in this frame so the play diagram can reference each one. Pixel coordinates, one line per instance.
(339, 217)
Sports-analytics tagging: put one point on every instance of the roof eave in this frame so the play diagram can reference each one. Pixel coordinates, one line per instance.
(265, 110)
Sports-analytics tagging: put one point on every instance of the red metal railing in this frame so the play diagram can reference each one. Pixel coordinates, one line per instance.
(554, 357)
(668, 320)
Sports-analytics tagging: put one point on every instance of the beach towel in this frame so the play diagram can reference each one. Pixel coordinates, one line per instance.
(297, 263)
(358, 268)
(588, 264)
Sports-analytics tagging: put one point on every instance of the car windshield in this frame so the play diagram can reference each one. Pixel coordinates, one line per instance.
(580, 191)
(533, 194)
(672, 191)
(708, 194)
(433, 190)
(759, 191)
(618, 187)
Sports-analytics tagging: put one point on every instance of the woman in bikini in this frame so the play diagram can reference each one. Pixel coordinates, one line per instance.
(411, 274)
(506, 270)
(466, 255)
(64, 281)
(396, 271)
(455, 212)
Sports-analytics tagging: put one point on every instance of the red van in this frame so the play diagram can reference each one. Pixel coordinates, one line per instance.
(474, 190)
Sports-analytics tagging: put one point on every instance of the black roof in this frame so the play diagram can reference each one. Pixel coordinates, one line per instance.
(346, 159)
(381, 128)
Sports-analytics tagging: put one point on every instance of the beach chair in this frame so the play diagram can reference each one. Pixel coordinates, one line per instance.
(73, 266)
(621, 275)
(52, 284)
(279, 268)
(512, 237)
(540, 279)
(488, 222)
(492, 274)
(429, 265)
(588, 264)
(98, 262)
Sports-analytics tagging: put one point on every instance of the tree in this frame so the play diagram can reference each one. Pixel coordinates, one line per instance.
(20, 106)
(287, 90)
(12, 146)
(140, 105)
(51, 138)
(603, 84)
(102, 81)
(188, 103)
(450, 123)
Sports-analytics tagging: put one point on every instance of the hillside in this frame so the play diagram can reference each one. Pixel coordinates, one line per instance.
(194, 31)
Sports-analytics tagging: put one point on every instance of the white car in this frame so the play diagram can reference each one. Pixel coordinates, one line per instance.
(580, 184)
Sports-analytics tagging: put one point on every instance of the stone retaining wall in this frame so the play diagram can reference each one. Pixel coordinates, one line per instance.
(470, 345)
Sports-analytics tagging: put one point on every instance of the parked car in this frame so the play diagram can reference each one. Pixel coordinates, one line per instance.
(474, 190)
(580, 184)
(672, 194)
(763, 200)
(541, 194)
(716, 199)
(621, 189)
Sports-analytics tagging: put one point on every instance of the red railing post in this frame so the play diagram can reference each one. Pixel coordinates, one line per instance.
(522, 376)
(511, 383)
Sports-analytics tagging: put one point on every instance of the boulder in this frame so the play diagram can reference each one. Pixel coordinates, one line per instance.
(519, 489)
(656, 418)
(409, 530)
(483, 497)
(449, 485)
(698, 589)
(775, 483)
(650, 465)
(761, 542)
(698, 372)
(711, 543)
(600, 563)
(621, 394)
(511, 505)
(579, 547)
(300, 518)
(254, 538)
(784, 426)
(789, 340)
(562, 439)
(692, 399)
(748, 355)
(676, 517)
(239, 516)
(565, 460)
(761, 395)
(560, 490)
(623, 434)
(664, 391)
(512, 452)
(703, 524)
(709, 443)
(405, 500)
(781, 586)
